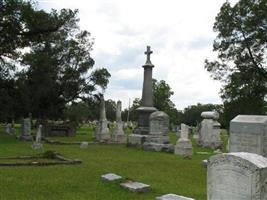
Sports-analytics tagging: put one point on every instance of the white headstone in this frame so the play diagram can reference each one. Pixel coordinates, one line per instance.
(248, 133)
(136, 186)
(183, 146)
(237, 176)
(111, 177)
(173, 197)
(118, 135)
(37, 144)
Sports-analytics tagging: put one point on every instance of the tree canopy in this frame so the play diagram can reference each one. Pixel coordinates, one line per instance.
(53, 55)
(241, 44)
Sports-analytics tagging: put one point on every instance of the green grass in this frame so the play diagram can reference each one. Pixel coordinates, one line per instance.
(166, 173)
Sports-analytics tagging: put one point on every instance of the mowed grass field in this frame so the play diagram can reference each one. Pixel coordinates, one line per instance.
(166, 173)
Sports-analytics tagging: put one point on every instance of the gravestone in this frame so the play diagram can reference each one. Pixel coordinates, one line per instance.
(183, 146)
(136, 186)
(102, 131)
(173, 197)
(237, 176)
(248, 133)
(9, 129)
(210, 130)
(26, 130)
(37, 143)
(118, 135)
(111, 177)
(158, 138)
(147, 106)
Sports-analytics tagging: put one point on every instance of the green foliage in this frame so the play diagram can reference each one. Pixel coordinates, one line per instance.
(56, 66)
(241, 64)
(192, 114)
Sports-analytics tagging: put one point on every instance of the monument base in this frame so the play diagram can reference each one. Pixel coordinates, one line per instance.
(160, 139)
(102, 137)
(136, 139)
(152, 146)
(25, 138)
(37, 145)
(183, 148)
(119, 138)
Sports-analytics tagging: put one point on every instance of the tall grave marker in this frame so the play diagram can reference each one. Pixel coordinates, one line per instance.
(147, 106)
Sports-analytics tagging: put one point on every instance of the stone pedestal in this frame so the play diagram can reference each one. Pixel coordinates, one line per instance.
(136, 139)
(210, 131)
(158, 138)
(183, 146)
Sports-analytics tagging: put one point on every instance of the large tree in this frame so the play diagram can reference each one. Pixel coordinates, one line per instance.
(57, 68)
(241, 45)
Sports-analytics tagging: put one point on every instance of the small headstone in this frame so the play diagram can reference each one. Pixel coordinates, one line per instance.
(210, 130)
(84, 145)
(136, 139)
(158, 138)
(237, 176)
(136, 186)
(173, 197)
(111, 177)
(248, 133)
(183, 146)
(37, 143)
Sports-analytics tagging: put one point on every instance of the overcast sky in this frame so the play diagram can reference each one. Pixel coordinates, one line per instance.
(178, 31)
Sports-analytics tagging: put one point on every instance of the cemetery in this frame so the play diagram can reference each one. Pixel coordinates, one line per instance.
(66, 131)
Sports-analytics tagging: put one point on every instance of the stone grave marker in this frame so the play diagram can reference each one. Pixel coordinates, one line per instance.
(158, 138)
(118, 135)
(84, 145)
(37, 143)
(183, 146)
(26, 130)
(136, 186)
(173, 197)
(237, 176)
(210, 130)
(110, 177)
(102, 131)
(248, 133)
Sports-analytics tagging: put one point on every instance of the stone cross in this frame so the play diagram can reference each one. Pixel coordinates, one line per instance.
(148, 52)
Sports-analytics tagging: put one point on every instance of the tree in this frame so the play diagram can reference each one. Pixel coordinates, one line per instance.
(192, 114)
(57, 67)
(241, 64)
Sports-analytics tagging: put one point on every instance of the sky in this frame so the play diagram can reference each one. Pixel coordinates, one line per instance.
(180, 35)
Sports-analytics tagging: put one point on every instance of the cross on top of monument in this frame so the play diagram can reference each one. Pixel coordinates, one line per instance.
(148, 52)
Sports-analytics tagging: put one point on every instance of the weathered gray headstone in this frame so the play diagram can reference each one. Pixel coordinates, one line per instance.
(183, 146)
(26, 130)
(111, 177)
(147, 106)
(173, 197)
(158, 138)
(37, 143)
(136, 186)
(9, 129)
(210, 130)
(237, 176)
(102, 131)
(118, 135)
(248, 133)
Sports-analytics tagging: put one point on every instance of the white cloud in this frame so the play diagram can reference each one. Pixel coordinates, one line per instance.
(179, 32)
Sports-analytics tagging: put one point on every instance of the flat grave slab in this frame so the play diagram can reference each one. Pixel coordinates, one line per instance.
(173, 197)
(111, 177)
(136, 186)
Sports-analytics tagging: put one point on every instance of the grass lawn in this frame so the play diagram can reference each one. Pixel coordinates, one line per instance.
(166, 173)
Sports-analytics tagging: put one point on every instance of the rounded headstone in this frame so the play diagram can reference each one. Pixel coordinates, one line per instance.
(159, 123)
